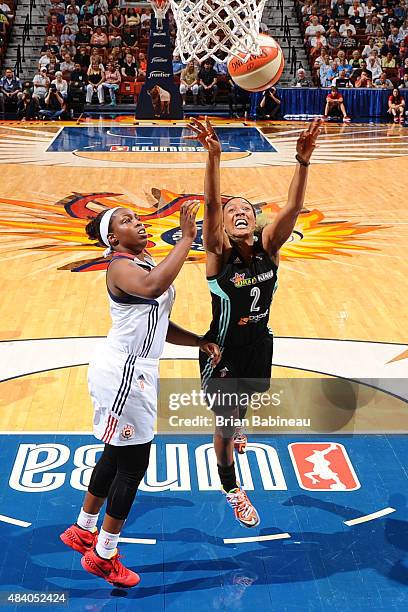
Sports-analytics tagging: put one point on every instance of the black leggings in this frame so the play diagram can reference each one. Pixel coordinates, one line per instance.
(117, 476)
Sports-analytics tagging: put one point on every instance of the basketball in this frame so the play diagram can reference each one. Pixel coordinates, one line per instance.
(259, 72)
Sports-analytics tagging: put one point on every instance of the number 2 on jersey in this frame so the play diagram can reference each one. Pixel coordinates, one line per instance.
(255, 293)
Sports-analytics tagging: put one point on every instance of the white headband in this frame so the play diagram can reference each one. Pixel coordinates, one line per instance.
(104, 226)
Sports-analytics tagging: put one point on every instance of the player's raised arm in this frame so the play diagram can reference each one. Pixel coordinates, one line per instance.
(277, 233)
(213, 230)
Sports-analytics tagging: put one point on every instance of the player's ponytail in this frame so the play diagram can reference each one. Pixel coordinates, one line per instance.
(93, 228)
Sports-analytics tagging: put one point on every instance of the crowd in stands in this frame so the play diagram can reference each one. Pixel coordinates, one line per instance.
(354, 44)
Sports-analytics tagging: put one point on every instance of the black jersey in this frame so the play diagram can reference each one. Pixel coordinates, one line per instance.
(241, 299)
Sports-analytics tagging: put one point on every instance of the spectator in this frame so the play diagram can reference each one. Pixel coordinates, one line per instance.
(388, 61)
(321, 59)
(300, 80)
(343, 62)
(50, 44)
(115, 38)
(129, 38)
(100, 19)
(68, 37)
(323, 73)
(67, 66)
(142, 66)
(347, 25)
(178, 65)
(82, 57)
(54, 105)
(129, 68)
(71, 19)
(356, 8)
(10, 90)
(340, 10)
(270, 104)
(74, 6)
(356, 60)
(189, 82)
(368, 8)
(395, 37)
(83, 37)
(400, 11)
(342, 80)
(86, 9)
(27, 107)
(60, 84)
(44, 60)
(99, 40)
(374, 66)
(313, 28)
(54, 27)
(363, 81)
(208, 82)
(103, 5)
(132, 19)
(41, 84)
(396, 106)
(116, 19)
(96, 78)
(111, 82)
(374, 27)
(404, 82)
(334, 101)
(369, 47)
(404, 68)
(349, 42)
(382, 82)
(404, 29)
(334, 40)
(333, 72)
(317, 42)
(388, 47)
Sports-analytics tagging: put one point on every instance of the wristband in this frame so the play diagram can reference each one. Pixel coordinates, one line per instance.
(302, 162)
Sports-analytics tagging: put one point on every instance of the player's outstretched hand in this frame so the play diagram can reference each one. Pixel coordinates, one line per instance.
(212, 350)
(188, 214)
(308, 139)
(206, 135)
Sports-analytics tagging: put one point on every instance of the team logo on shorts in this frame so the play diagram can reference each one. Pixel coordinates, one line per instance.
(127, 432)
(323, 466)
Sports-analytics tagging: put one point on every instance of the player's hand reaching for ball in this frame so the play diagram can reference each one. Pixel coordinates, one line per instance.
(307, 141)
(206, 135)
(212, 350)
(188, 214)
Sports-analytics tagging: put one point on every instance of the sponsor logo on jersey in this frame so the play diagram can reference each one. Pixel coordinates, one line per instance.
(323, 466)
(253, 318)
(239, 280)
(127, 432)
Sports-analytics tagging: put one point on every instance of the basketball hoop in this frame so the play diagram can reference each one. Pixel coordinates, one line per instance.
(217, 28)
(160, 8)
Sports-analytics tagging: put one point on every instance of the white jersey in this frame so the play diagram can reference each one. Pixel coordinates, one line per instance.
(139, 325)
(122, 377)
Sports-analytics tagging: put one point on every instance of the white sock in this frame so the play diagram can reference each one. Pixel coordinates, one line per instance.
(107, 543)
(87, 521)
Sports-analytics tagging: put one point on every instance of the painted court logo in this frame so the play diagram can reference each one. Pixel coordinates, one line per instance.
(323, 466)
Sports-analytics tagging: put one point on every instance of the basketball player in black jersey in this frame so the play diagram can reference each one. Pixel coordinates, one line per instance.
(242, 271)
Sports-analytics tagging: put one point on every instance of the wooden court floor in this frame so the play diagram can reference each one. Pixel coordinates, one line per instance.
(343, 277)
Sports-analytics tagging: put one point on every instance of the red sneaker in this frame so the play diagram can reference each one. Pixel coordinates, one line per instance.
(244, 511)
(112, 570)
(79, 539)
(240, 442)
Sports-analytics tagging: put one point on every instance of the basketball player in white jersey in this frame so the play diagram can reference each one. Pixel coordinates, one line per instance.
(123, 380)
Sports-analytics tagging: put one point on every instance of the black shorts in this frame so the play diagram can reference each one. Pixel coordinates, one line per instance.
(242, 370)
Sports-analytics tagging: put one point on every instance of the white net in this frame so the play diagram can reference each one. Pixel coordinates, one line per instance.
(217, 28)
(160, 8)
